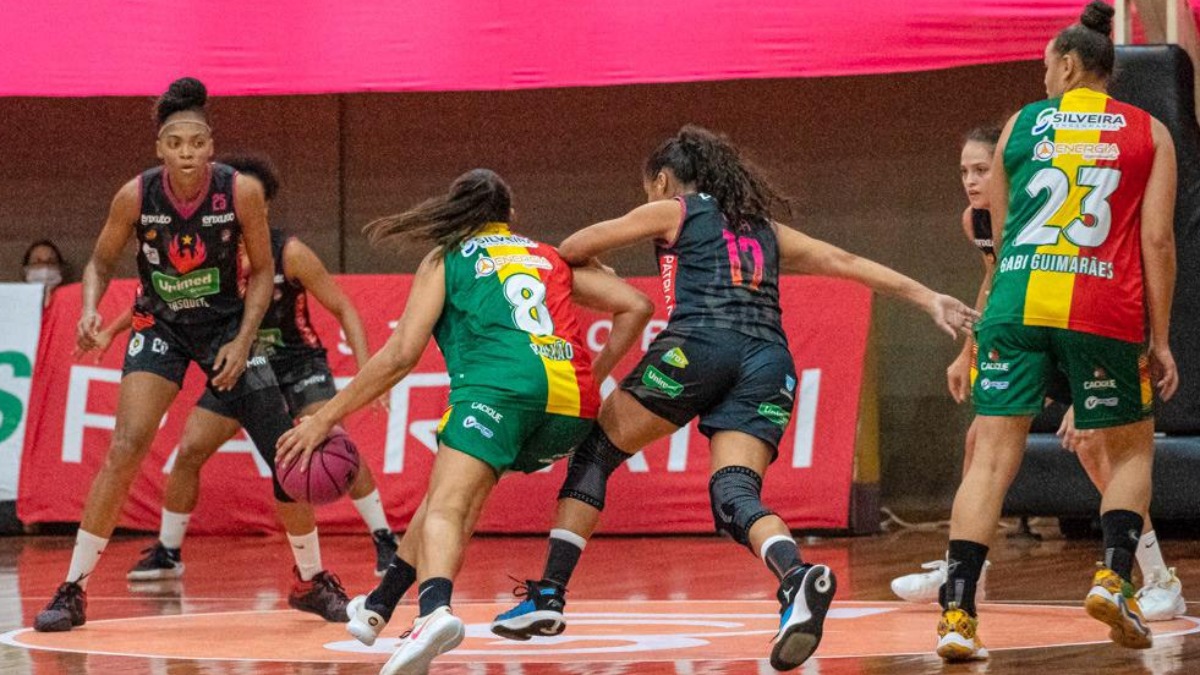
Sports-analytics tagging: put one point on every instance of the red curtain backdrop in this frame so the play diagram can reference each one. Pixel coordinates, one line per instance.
(663, 490)
(136, 47)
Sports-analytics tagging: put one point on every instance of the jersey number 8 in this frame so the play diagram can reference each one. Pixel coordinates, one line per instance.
(1092, 226)
(527, 296)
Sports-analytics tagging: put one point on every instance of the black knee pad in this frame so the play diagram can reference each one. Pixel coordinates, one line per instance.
(263, 414)
(587, 473)
(735, 493)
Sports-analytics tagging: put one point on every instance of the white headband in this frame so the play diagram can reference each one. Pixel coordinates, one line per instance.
(163, 129)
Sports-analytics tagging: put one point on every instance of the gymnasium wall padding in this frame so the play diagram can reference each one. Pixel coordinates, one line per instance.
(1160, 80)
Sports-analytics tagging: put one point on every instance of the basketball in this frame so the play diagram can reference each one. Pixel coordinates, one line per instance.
(332, 469)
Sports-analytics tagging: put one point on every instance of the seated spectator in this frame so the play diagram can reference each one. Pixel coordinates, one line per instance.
(43, 264)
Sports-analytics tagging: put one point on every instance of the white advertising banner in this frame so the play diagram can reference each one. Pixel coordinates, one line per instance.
(20, 326)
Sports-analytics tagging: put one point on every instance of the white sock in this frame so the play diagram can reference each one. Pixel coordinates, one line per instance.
(1149, 557)
(88, 548)
(174, 526)
(307, 551)
(371, 510)
(569, 537)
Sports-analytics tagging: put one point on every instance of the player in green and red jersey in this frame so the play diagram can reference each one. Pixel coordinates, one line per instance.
(1085, 189)
(523, 387)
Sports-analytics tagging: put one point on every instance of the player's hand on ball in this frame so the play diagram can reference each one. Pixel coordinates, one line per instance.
(299, 442)
(951, 315)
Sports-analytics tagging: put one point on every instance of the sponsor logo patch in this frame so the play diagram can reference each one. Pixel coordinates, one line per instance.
(190, 286)
(471, 423)
(209, 221)
(151, 254)
(676, 357)
(489, 411)
(778, 416)
(136, 343)
(1094, 402)
(654, 378)
(987, 384)
(1053, 118)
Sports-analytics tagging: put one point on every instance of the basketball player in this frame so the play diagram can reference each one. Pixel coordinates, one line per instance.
(723, 357)
(190, 216)
(1085, 188)
(1161, 595)
(523, 390)
(298, 359)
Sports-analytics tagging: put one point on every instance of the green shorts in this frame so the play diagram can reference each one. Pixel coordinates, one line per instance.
(1109, 379)
(511, 439)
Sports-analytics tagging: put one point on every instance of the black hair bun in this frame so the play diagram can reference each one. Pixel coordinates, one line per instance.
(186, 93)
(1098, 16)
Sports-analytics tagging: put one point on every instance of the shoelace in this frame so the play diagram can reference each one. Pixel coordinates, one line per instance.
(934, 565)
(68, 593)
(330, 581)
(524, 589)
(157, 554)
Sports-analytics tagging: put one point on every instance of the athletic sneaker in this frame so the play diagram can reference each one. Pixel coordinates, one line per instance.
(365, 623)
(958, 636)
(1111, 601)
(431, 635)
(1161, 599)
(66, 610)
(923, 586)
(539, 614)
(804, 598)
(385, 550)
(159, 563)
(322, 595)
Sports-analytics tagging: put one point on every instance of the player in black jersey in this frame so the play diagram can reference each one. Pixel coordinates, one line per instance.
(723, 357)
(298, 359)
(190, 217)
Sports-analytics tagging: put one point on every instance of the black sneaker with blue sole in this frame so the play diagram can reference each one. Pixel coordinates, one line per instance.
(540, 614)
(804, 598)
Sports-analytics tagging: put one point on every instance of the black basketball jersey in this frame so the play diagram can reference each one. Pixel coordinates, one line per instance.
(188, 260)
(718, 276)
(286, 331)
(981, 230)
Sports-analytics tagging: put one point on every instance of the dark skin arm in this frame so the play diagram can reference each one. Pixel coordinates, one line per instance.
(118, 228)
(251, 209)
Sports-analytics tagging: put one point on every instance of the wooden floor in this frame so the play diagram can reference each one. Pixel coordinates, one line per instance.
(684, 606)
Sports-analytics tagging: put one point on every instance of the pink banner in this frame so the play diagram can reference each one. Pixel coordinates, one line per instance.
(663, 489)
(136, 47)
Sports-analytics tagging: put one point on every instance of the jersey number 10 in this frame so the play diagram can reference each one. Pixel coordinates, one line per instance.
(737, 246)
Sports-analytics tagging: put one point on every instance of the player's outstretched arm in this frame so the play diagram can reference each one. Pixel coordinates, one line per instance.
(631, 310)
(802, 254)
(658, 220)
(118, 228)
(387, 367)
(302, 265)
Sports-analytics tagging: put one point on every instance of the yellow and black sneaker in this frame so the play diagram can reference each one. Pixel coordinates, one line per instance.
(958, 637)
(1112, 601)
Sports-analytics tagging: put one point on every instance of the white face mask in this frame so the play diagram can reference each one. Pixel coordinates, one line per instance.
(50, 276)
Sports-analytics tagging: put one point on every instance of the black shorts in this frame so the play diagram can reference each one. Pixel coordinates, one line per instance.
(733, 382)
(166, 350)
(302, 382)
